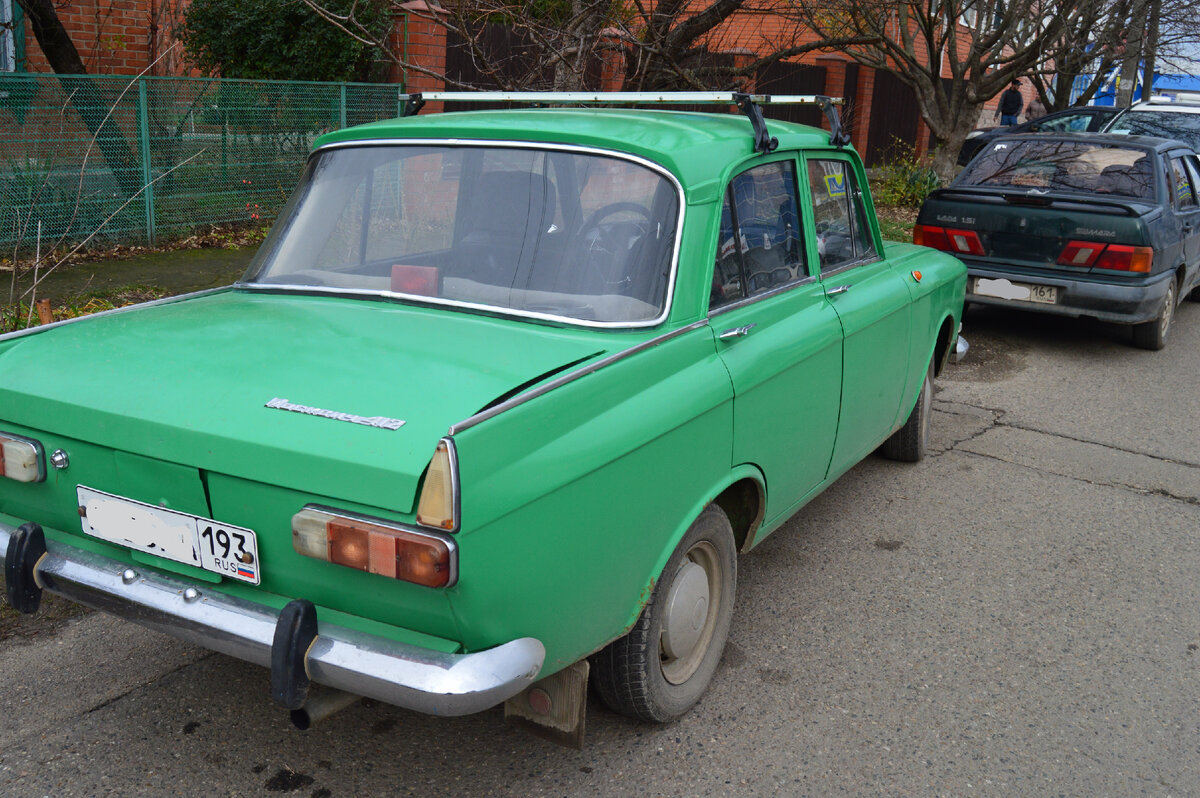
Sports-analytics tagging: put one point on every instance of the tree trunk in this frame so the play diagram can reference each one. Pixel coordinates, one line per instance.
(1151, 48)
(89, 99)
(1133, 53)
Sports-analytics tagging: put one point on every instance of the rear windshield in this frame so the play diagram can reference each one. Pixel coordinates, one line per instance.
(1184, 127)
(536, 232)
(1047, 165)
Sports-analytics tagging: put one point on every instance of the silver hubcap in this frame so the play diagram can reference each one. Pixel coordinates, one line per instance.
(1168, 311)
(690, 613)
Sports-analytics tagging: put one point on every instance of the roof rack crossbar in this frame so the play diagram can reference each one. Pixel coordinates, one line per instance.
(749, 104)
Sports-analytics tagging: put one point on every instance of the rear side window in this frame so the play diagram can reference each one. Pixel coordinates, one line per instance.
(843, 235)
(1182, 188)
(759, 247)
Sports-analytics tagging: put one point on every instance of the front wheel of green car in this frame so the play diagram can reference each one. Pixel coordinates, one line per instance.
(659, 670)
(910, 442)
(1153, 334)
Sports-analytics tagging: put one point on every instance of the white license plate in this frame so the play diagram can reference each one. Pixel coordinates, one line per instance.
(1007, 289)
(230, 551)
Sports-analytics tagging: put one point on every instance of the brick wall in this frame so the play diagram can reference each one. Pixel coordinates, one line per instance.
(117, 37)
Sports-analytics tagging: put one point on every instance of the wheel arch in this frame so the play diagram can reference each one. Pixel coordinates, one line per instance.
(943, 345)
(741, 495)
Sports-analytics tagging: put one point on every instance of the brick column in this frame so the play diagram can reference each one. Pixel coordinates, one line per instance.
(426, 46)
(612, 60)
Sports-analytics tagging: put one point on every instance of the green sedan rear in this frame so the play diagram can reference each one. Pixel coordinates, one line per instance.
(496, 406)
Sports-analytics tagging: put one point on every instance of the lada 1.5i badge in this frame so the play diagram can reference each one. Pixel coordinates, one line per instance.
(492, 413)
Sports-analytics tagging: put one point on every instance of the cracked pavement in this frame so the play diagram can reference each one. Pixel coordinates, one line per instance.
(1018, 613)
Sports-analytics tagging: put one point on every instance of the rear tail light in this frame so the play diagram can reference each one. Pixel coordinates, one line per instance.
(438, 506)
(1126, 259)
(929, 236)
(962, 242)
(21, 459)
(375, 546)
(1117, 257)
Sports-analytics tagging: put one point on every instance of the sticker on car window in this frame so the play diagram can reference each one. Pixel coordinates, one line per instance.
(835, 184)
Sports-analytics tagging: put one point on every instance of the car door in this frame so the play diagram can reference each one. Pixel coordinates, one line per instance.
(872, 302)
(777, 334)
(1187, 168)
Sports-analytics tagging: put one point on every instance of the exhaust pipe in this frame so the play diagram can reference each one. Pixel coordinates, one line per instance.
(321, 704)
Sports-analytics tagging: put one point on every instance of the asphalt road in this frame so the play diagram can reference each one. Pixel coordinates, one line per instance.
(1017, 614)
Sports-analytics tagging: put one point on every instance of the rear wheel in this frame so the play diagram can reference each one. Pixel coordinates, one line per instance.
(910, 442)
(1153, 334)
(660, 669)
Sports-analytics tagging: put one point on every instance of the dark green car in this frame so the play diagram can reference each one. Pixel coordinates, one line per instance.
(1085, 225)
(499, 401)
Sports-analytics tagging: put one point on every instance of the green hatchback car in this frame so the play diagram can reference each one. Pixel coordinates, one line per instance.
(491, 414)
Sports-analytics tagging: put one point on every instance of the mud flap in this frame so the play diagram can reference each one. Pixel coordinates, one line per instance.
(554, 708)
(25, 547)
(295, 632)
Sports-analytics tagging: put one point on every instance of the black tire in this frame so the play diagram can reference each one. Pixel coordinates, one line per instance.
(640, 675)
(1194, 294)
(910, 443)
(1153, 334)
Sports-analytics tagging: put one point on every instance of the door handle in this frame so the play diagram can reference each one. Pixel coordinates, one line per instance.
(736, 332)
(837, 289)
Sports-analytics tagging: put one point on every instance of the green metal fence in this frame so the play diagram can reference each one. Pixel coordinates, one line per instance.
(150, 158)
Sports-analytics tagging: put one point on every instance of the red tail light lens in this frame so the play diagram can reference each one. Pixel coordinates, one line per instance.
(1125, 258)
(375, 546)
(1080, 253)
(929, 236)
(962, 242)
(1118, 257)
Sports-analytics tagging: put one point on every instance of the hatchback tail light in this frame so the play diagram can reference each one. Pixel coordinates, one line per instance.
(1117, 257)
(438, 505)
(375, 546)
(21, 459)
(961, 242)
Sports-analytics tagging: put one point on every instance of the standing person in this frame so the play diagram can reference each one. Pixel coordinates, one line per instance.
(1011, 103)
(1035, 109)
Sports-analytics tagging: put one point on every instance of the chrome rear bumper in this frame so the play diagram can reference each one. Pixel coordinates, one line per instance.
(396, 673)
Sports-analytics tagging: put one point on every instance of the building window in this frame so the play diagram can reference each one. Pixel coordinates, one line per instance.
(8, 37)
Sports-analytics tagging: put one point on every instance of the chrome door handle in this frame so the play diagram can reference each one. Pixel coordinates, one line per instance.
(736, 332)
(837, 289)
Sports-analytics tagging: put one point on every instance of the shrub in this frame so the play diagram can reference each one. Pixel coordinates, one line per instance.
(906, 180)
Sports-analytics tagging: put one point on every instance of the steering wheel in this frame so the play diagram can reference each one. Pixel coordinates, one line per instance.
(604, 244)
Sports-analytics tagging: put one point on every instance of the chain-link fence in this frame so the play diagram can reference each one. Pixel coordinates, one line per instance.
(150, 158)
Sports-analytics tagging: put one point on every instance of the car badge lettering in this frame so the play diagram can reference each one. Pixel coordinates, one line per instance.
(380, 422)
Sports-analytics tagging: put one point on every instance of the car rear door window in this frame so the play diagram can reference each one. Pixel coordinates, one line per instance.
(843, 235)
(759, 246)
(1183, 188)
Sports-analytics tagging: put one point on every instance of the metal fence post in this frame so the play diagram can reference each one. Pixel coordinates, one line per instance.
(343, 87)
(144, 145)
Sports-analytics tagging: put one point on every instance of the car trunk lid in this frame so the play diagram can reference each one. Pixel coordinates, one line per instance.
(299, 391)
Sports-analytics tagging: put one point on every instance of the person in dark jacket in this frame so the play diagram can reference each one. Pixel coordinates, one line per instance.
(1011, 103)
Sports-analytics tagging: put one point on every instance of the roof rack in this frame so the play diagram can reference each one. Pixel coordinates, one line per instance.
(749, 104)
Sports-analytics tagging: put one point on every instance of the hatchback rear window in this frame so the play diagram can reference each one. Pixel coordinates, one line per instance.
(1047, 165)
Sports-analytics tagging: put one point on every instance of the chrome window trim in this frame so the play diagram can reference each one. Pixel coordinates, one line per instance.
(750, 300)
(411, 529)
(851, 264)
(668, 299)
(167, 300)
(583, 371)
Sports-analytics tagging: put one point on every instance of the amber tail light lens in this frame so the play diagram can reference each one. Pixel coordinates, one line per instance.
(375, 546)
(438, 506)
(21, 459)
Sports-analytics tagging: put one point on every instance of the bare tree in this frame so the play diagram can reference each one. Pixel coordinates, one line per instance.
(954, 54)
(670, 44)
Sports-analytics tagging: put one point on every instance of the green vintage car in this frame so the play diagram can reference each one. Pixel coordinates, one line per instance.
(497, 404)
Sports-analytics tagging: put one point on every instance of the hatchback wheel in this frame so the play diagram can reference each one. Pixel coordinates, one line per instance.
(1153, 334)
